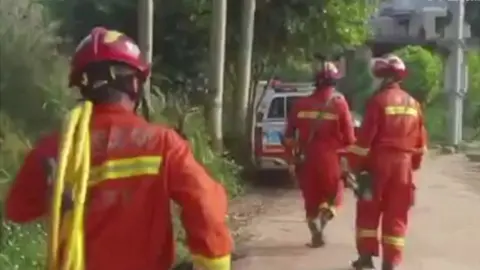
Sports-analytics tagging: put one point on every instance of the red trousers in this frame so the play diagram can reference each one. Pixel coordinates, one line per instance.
(320, 182)
(392, 196)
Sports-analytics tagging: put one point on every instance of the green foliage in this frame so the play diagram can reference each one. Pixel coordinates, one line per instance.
(22, 247)
(472, 104)
(425, 73)
(304, 27)
(363, 84)
(293, 71)
(28, 51)
(474, 79)
(289, 31)
(182, 29)
(436, 119)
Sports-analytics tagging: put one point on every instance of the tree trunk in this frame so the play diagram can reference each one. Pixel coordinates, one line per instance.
(217, 65)
(346, 84)
(145, 37)
(242, 91)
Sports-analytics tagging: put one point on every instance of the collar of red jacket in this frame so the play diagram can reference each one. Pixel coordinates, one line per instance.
(112, 108)
(323, 92)
(393, 85)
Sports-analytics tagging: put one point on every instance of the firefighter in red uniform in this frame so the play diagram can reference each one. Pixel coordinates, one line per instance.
(137, 168)
(324, 125)
(390, 145)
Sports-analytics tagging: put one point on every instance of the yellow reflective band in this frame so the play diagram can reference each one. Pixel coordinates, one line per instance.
(222, 263)
(394, 241)
(112, 36)
(401, 110)
(124, 168)
(367, 233)
(328, 116)
(357, 150)
(316, 115)
(307, 114)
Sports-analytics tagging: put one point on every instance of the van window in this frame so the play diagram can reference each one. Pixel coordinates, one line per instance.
(277, 108)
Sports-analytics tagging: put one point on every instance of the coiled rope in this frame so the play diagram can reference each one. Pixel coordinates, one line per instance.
(66, 237)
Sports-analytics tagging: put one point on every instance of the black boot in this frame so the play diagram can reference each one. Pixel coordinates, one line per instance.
(317, 235)
(317, 240)
(363, 262)
(388, 266)
(326, 215)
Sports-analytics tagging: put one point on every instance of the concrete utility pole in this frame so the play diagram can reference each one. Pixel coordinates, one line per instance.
(217, 66)
(457, 71)
(145, 39)
(245, 66)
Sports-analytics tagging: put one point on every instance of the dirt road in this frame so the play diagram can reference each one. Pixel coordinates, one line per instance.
(444, 234)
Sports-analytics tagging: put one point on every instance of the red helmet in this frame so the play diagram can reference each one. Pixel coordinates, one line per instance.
(390, 66)
(326, 71)
(106, 45)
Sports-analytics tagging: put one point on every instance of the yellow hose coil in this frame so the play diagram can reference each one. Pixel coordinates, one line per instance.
(66, 229)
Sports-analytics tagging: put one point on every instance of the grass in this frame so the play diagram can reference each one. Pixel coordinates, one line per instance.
(23, 247)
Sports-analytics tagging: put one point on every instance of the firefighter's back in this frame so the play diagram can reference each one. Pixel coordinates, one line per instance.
(400, 120)
(128, 218)
(318, 116)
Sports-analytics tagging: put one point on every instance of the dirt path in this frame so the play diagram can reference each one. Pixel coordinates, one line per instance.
(444, 231)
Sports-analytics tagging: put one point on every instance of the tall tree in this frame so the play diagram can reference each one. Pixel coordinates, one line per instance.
(217, 54)
(242, 93)
(145, 40)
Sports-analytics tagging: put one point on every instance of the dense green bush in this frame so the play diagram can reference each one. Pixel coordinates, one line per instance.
(472, 104)
(425, 73)
(425, 83)
(34, 95)
(32, 80)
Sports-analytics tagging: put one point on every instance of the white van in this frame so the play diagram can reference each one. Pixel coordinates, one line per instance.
(273, 106)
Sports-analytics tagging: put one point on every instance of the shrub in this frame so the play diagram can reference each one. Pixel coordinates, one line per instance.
(33, 76)
(32, 81)
(425, 73)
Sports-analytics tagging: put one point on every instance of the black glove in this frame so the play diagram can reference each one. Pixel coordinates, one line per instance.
(365, 186)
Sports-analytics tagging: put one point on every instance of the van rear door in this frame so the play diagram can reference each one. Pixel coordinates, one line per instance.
(269, 151)
(273, 126)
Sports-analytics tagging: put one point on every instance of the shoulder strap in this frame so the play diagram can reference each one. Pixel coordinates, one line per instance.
(322, 106)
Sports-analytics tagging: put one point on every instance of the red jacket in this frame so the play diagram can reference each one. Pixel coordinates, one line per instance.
(137, 169)
(335, 131)
(393, 122)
